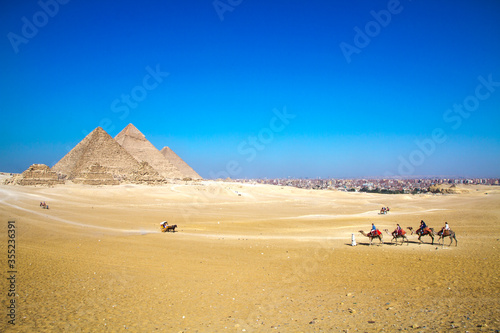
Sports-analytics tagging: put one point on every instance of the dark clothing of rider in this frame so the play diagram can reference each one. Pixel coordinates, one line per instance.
(422, 226)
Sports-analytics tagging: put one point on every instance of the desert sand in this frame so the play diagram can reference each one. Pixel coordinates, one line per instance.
(247, 258)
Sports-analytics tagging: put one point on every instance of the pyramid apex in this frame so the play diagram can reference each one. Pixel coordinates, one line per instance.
(178, 162)
(130, 131)
(98, 131)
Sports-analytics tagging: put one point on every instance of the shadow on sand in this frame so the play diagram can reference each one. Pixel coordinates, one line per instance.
(389, 243)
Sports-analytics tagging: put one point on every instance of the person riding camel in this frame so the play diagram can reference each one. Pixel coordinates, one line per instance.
(446, 229)
(398, 230)
(423, 226)
(374, 230)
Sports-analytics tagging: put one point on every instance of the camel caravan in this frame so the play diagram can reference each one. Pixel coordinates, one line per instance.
(384, 210)
(400, 235)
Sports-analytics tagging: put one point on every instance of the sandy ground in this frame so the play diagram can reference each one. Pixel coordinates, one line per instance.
(246, 259)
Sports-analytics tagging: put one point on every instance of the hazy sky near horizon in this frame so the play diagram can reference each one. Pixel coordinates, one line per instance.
(253, 89)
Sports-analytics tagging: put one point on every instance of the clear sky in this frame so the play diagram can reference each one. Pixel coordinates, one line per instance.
(253, 88)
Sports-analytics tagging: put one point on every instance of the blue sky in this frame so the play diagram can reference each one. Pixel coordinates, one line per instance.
(256, 88)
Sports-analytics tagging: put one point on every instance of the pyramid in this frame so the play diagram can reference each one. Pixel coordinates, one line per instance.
(134, 142)
(97, 147)
(39, 174)
(183, 167)
(95, 175)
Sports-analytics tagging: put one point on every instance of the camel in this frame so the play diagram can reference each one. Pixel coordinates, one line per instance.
(384, 210)
(447, 233)
(167, 228)
(395, 236)
(369, 235)
(428, 231)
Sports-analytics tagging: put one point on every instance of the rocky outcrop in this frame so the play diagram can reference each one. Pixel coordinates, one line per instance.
(453, 189)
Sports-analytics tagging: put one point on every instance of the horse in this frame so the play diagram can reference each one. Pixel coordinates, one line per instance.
(168, 228)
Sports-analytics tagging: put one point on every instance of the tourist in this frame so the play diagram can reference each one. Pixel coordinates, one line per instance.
(422, 226)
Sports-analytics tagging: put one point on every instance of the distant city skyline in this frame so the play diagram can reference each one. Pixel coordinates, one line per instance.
(254, 89)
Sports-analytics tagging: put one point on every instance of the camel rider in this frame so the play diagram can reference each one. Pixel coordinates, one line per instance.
(398, 230)
(374, 230)
(422, 226)
(446, 229)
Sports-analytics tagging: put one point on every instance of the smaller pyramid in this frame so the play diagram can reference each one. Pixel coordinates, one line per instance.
(95, 175)
(39, 174)
(183, 167)
(146, 175)
(98, 147)
(134, 142)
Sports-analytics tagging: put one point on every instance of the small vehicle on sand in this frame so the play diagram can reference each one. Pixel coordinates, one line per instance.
(166, 228)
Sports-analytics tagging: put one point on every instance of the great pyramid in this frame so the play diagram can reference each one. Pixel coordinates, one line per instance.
(134, 142)
(98, 147)
(183, 167)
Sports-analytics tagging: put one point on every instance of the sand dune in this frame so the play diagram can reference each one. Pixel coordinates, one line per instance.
(273, 258)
